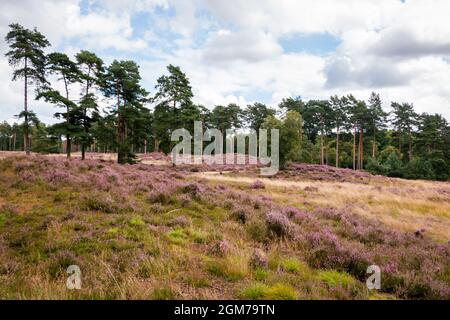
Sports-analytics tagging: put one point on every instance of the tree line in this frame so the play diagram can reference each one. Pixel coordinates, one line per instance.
(341, 131)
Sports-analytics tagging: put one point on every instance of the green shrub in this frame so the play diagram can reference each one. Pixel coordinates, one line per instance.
(258, 291)
(136, 222)
(291, 265)
(227, 269)
(163, 294)
(256, 229)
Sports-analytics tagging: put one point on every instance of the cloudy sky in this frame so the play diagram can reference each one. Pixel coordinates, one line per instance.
(254, 50)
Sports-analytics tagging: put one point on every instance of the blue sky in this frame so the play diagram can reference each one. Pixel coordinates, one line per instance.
(254, 50)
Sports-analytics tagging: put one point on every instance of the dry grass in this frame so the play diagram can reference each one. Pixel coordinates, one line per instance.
(404, 205)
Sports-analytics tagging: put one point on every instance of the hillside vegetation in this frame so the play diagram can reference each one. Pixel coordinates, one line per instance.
(150, 231)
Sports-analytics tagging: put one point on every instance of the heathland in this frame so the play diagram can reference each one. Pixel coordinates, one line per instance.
(153, 231)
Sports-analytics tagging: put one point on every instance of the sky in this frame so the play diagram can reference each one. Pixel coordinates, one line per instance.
(236, 51)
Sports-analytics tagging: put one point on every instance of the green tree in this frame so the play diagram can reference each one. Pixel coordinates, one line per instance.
(377, 119)
(173, 89)
(321, 114)
(404, 119)
(359, 118)
(59, 64)
(173, 105)
(122, 82)
(290, 130)
(338, 105)
(6, 136)
(28, 59)
(226, 117)
(90, 75)
(292, 104)
(256, 114)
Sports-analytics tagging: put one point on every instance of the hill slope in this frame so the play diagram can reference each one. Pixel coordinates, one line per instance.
(151, 232)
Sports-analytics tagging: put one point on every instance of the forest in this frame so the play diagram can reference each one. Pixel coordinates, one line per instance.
(104, 108)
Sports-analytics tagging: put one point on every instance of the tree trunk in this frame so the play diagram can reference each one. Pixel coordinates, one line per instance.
(374, 142)
(410, 145)
(360, 149)
(321, 149)
(69, 142)
(337, 147)
(145, 146)
(354, 147)
(26, 129)
(83, 142)
(121, 156)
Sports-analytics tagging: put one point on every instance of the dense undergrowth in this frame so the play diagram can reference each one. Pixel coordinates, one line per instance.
(149, 232)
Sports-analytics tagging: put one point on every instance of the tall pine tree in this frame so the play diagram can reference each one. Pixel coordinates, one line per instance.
(28, 59)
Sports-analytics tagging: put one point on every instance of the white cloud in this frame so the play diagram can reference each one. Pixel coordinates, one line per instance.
(231, 49)
(248, 46)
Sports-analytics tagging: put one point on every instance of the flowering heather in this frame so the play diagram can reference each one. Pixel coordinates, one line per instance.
(148, 223)
(181, 221)
(298, 171)
(258, 184)
(240, 214)
(193, 189)
(56, 176)
(279, 225)
(311, 189)
(219, 248)
(258, 259)
(296, 214)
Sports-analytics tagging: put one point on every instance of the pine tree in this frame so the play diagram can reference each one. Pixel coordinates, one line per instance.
(173, 104)
(404, 120)
(377, 118)
(338, 106)
(59, 64)
(91, 71)
(28, 59)
(122, 81)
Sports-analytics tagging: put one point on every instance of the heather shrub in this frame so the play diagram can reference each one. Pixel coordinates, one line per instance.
(279, 225)
(295, 213)
(59, 263)
(240, 214)
(97, 201)
(219, 248)
(258, 184)
(21, 165)
(258, 260)
(180, 221)
(311, 189)
(328, 213)
(161, 195)
(195, 190)
(56, 176)
(327, 252)
(184, 199)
